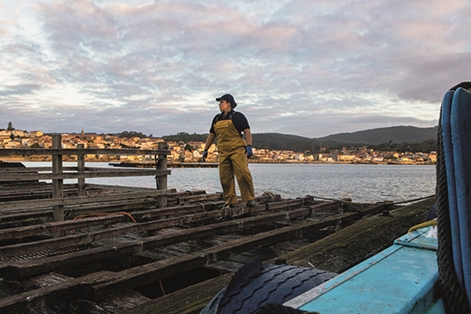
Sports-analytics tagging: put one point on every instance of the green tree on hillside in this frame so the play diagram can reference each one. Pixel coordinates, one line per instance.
(185, 137)
(189, 148)
(129, 134)
(10, 126)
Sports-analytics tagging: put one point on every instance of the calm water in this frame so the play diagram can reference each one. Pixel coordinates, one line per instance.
(361, 183)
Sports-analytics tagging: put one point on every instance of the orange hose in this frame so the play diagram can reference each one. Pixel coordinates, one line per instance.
(106, 214)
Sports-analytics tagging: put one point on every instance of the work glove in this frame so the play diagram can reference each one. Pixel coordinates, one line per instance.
(248, 151)
(205, 154)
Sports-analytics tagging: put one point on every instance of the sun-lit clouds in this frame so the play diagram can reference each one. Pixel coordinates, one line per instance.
(294, 66)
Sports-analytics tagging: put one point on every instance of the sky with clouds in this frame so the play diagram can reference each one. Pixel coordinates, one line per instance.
(301, 67)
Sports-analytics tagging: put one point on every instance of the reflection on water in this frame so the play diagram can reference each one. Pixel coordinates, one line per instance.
(361, 183)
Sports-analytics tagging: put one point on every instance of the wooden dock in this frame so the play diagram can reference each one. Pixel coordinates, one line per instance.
(138, 250)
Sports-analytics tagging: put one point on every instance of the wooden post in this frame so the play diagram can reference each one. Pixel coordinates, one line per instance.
(161, 181)
(81, 168)
(57, 184)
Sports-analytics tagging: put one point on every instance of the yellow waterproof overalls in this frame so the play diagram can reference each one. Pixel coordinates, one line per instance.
(233, 161)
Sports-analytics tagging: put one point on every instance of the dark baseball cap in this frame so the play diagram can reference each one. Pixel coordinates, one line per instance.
(228, 98)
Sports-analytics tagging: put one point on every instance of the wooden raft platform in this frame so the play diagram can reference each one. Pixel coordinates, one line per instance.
(111, 255)
(88, 248)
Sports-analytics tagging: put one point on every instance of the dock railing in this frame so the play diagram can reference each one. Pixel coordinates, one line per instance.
(57, 173)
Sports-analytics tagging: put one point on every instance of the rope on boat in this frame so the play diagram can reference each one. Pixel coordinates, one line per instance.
(351, 202)
(423, 225)
(414, 200)
(454, 296)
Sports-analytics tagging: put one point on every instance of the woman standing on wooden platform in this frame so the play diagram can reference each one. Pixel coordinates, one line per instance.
(233, 151)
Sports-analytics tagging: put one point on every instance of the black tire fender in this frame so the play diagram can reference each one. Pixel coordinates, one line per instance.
(254, 285)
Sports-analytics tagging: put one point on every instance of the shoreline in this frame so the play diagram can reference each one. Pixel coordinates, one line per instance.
(143, 163)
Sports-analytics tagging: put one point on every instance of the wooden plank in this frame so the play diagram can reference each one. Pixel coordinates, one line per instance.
(81, 199)
(190, 300)
(41, 265)
(278, 205)
(87, 174)
(140, 276)
(57, 183)
(33, 189)
(81, 168)
(198, 198)
(31, 214)
(49, 169)
(118, 187)
(34, 169)
(52, 227)
(161, 181)
(30, 186)
(86, 151)
(34, 300)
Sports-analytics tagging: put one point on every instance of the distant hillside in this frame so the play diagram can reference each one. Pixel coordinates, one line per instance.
(396, 134)
(277, 141)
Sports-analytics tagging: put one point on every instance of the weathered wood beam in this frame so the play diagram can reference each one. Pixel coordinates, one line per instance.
(161, 181)
(81, 168)
(75, 151)
(117, 187)
(87, 174)
(34, 300)
(190, 300)
(57, 182)
(37, 266)
(82, 199)
(33, 169)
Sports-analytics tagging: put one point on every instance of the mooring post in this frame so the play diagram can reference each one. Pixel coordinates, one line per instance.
(81, 168)
(161, 180)
(57, 184)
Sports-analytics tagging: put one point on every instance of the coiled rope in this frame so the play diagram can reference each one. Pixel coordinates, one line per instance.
(454, 295)
(270, 197)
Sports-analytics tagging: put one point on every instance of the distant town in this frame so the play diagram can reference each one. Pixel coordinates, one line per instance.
(192, 151)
